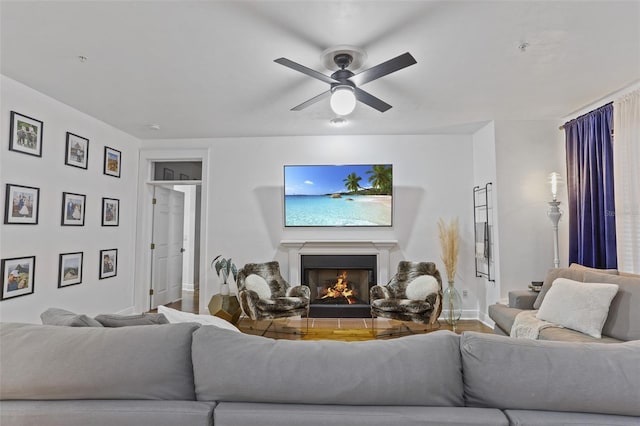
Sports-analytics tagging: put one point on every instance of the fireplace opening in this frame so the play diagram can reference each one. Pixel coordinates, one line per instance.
(339, 284)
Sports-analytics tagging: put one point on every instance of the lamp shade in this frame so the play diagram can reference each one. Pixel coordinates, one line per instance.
(343, 100)
(554, 179)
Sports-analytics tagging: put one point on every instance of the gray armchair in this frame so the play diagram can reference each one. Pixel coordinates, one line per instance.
(413, 294)
(264, 294)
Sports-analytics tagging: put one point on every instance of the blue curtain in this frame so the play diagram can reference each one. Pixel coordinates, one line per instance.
(592, 226)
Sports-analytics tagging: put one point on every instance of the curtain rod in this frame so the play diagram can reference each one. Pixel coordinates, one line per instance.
(585, 114)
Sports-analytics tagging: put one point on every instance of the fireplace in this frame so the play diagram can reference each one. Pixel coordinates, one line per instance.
(339, 284)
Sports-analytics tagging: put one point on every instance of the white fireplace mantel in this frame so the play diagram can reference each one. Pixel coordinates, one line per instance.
(380, 248)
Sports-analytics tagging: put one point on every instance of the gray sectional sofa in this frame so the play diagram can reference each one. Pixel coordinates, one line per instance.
(186, 374)
(623, 320)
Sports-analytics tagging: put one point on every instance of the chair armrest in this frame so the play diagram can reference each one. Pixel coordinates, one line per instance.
(522, 299)
(299, 291)
(378, 292)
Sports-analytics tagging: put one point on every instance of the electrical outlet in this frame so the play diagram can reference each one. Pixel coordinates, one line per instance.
(465, 293)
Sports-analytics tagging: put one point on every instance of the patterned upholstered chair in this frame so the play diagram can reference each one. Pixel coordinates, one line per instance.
(264, 294)
(413, 294)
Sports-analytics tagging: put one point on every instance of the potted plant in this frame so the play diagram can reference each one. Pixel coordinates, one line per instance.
(225, 268)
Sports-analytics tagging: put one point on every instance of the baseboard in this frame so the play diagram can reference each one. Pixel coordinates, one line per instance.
(128, 311)
(188, 287)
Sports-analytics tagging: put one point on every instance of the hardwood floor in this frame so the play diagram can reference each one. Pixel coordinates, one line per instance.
(348, 329)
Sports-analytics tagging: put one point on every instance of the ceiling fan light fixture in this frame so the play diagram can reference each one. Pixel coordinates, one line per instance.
(343, 100)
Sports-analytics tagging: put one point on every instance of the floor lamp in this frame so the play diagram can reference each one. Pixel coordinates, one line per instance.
(554, 213)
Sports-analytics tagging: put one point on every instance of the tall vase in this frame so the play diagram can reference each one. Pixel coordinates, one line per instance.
(224, 289)
(451, 305)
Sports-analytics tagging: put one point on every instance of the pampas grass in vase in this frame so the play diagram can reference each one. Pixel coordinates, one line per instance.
(450, 243)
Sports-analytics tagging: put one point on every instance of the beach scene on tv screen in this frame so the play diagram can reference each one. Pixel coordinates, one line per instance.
(338, 195)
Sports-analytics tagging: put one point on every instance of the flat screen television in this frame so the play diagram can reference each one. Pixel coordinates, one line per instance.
(338, 195)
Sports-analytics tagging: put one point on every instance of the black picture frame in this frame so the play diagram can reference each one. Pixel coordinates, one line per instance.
(70, 269)
(26, 134)
(112, 162)
(110, 211)
(73, 209)
(18, 277)
(184, 177)
(167, 174)
(21, 205)
(76, 153)
(108, 267)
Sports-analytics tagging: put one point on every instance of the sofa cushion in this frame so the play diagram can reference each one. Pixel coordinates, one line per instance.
(624, 313)
(256, 414)
(568, 335)
(106, 412)
(522, 374)
(412, 370)
(579, 306)
(546, 418)
(139, 362)
(503, 316)
(57, 316)
(109, 320)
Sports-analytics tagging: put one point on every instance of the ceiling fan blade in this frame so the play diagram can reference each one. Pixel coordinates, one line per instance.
(380, 70)
(372, 101)
(304, 70)
(312, 101)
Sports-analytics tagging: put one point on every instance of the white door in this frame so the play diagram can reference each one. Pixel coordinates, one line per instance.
(175, 245)
(166, 267)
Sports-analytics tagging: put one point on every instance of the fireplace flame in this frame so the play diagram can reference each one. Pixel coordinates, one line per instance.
(340, 289)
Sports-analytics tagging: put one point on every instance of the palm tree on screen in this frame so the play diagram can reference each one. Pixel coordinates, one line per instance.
(352, 182)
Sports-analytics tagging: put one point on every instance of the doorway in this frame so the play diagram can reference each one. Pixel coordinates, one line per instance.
(170, 224)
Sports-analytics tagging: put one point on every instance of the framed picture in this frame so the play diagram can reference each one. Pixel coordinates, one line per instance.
(112, 161)
(108, 263)
(26, 134)
(70, 269)
(17, 276)
(110, 212)
(73, 207)
(167, 174)
(21, 205)
(77, 151)
(183, 176)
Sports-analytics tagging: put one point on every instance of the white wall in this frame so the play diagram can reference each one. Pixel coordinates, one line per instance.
(484, 171)
(526, 153)
(48, 238)
(433, 178)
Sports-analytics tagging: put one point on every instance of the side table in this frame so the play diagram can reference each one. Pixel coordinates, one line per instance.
(225, 306)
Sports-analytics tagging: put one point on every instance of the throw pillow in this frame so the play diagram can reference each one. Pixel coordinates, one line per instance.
(175, 316)
(572, 274)
(57, 316)
(420, 287)
(127, 320)
(579, 306)
(259, 285)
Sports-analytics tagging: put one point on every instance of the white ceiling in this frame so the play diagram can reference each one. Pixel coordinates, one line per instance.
(205, 69)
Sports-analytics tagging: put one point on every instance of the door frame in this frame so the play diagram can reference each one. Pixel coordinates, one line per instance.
(144, 221)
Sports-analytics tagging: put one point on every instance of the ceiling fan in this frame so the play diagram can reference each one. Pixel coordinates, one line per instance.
(344, 84)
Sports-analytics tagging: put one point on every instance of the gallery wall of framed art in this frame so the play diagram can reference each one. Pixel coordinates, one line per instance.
(69, 185)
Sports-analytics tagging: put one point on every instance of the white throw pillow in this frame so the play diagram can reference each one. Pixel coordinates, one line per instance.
(259, 285)
(580, 306)
(420, 287)
(175, 316)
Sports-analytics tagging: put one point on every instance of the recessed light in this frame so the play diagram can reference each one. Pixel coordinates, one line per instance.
(82, 58)
(338, 122)
(523, 46)
(154, 126)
